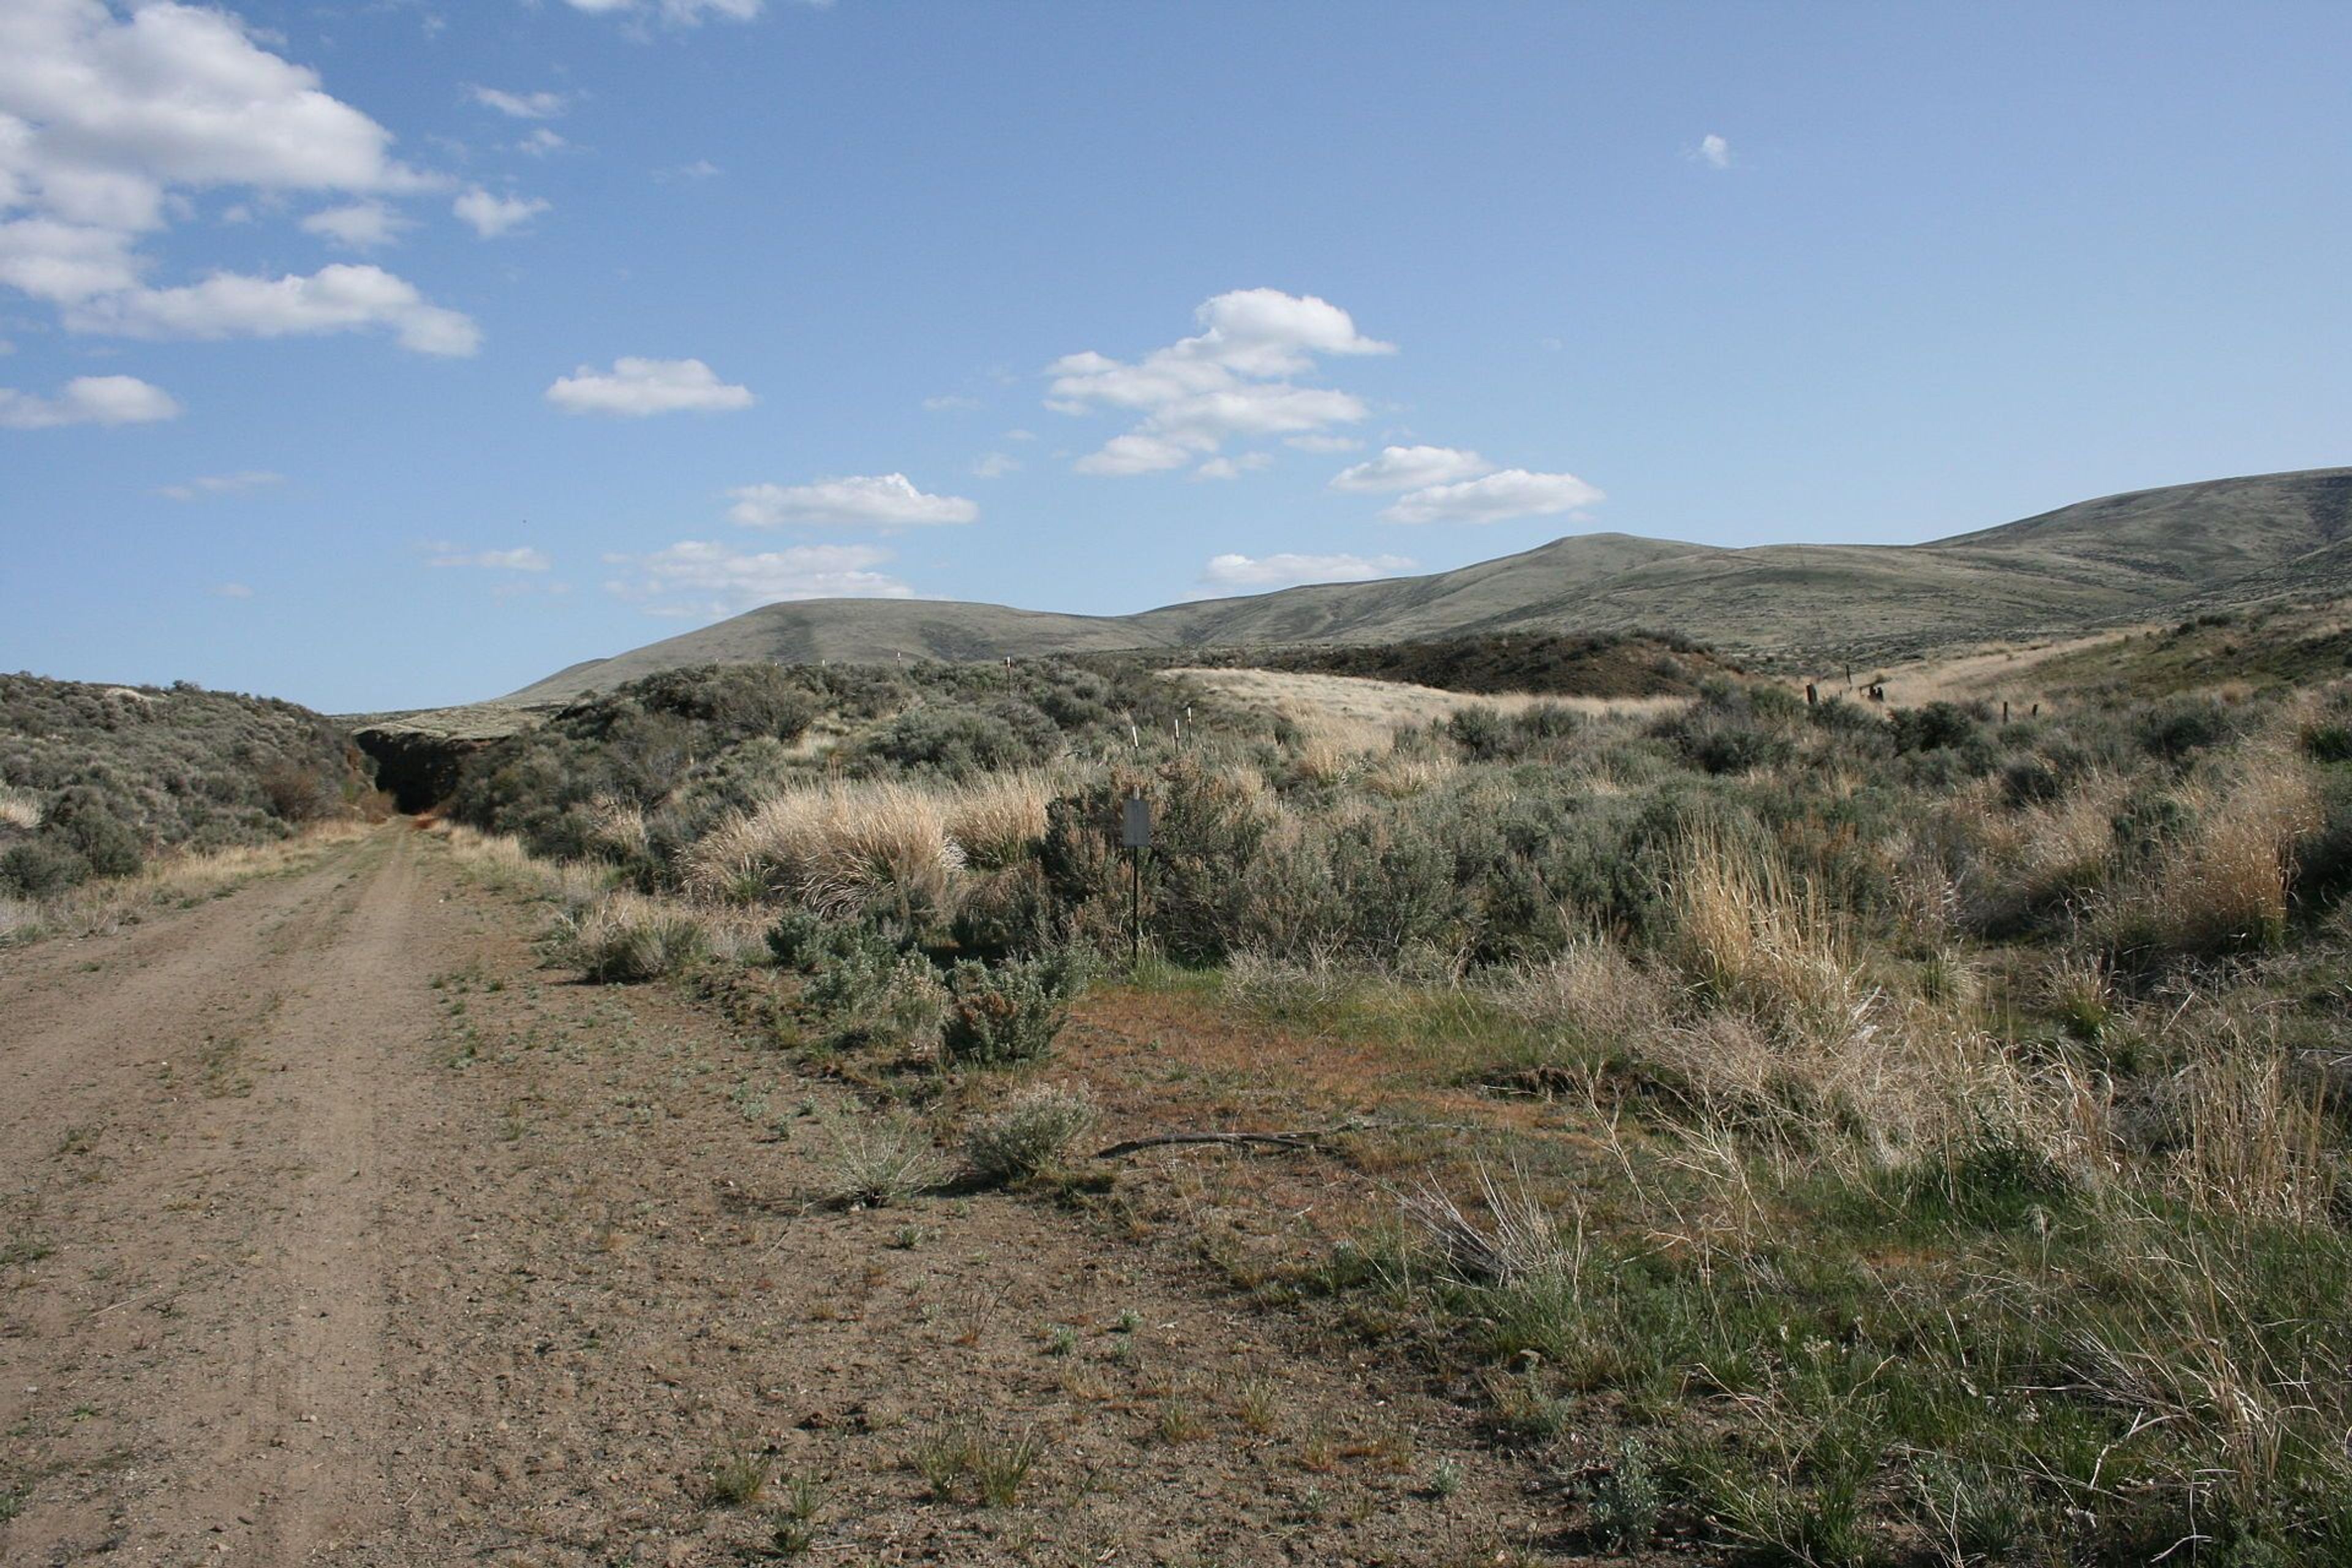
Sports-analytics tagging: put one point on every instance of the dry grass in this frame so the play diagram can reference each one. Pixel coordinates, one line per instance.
(2255, 1141)
(998, 820)
(629, 937)
(1518, 1242)
(19, 808)
(2227, 886)
(97, 908)
(1338, 714)
(1752, 934)
(837, 849)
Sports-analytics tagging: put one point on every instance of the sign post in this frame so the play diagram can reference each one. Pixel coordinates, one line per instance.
(1135, 836)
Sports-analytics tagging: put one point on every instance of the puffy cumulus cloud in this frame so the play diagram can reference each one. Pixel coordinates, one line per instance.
(362, 225)
(1714, 152)
(492, 215)
(221, 484)
(878, 500)
(522, 558)
(1230, 380)
(107, 121)
(1287, 570)
(337, 299)
(1513, 493)
(89, 400)
(707, 581)
(520, 105)
(636, 387)
(996, 465)
(1412, 468)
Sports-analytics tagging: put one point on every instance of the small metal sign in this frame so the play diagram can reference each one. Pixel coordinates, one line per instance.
(1135, 827)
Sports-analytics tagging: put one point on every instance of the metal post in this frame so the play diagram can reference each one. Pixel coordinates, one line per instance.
(1134, 907)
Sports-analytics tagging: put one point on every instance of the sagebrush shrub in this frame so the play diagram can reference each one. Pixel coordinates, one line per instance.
(1031, 1133)
(874, 998)
(1010, 1013)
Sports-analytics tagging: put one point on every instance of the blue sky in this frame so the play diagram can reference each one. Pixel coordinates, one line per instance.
(399, 354)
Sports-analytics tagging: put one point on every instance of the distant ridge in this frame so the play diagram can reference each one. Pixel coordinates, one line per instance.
(2117, 558)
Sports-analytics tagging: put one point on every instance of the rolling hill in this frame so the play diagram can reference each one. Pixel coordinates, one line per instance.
(2119, 558)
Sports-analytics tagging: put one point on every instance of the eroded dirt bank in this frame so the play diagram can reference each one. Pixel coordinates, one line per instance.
(335, 1229)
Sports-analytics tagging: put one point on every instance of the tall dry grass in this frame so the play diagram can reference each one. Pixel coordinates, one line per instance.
(2252, 1140)
(836, 849)
(1751, 934)
(999, 819)
(19, 808)
(2227, 887)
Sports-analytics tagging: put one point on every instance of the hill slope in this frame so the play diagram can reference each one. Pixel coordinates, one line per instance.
(2118, 558)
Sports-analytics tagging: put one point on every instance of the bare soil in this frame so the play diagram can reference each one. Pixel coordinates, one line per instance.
(334, 1229)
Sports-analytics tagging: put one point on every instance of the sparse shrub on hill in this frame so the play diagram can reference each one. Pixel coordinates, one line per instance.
(958, 742)
(95, 780)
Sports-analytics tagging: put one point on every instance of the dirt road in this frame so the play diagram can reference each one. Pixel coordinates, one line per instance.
(335, 1228)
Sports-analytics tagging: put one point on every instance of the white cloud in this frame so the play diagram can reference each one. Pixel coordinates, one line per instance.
(682, 13)
(541, 142)
(1285, 571)
(996, 465)
(87, 400)
(521, 559)
(879, 500)
(710, 581)
(492, 215)
(522, 105)
(1412, 468)
(1227, 382)
(221, 484)
(1714, 152)
(1514, 492)
(1324, 443)
(700, 169)
(229, 590)
(951, 403)
(337, 299)
(635, 387)
(106, 122)
(1123, 455)
(1232, 468)
(362, 225)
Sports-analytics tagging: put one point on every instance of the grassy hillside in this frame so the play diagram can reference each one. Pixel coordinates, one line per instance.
(2121, 558)
(95, 780)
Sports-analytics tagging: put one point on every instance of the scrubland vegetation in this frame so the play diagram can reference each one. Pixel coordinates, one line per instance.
(1898, 1136)
(103, 789)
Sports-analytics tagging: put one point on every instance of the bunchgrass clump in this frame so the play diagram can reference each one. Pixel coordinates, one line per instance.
(879, 1160)
(629, 937)
(975, 1461)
